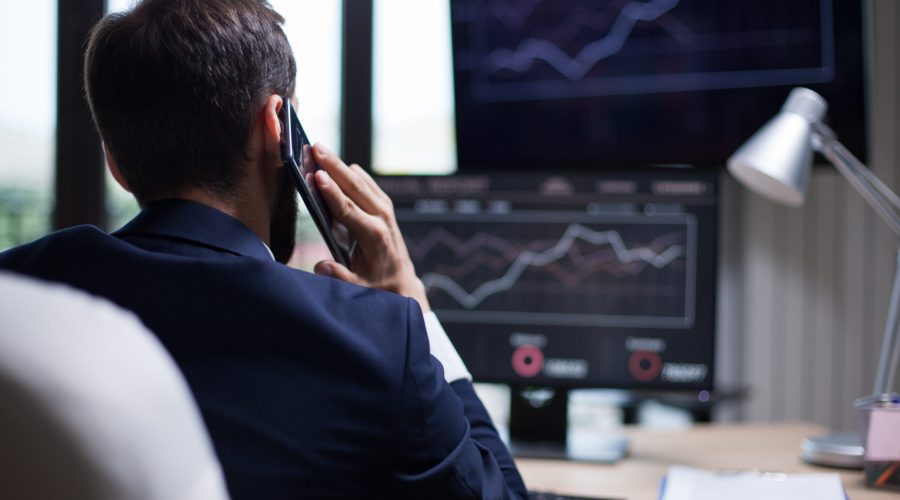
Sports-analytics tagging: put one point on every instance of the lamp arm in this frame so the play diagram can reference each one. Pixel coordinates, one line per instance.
(890, 350)
(822, 132)
(882, 187)
(884, 201)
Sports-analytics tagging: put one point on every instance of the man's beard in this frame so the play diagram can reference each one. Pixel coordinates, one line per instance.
(283, 230)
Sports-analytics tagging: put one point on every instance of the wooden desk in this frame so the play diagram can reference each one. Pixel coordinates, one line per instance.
(770, 447)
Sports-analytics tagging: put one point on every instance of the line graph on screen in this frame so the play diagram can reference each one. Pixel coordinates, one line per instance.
(538, 49)
(617, 270)
(532, 50)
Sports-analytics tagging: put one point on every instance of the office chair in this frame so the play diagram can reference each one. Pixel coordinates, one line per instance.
(91, 405)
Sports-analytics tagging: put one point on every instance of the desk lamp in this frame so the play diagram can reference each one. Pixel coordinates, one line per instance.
(776, 163)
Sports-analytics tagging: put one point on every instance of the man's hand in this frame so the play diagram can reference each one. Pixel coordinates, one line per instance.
(380, 259)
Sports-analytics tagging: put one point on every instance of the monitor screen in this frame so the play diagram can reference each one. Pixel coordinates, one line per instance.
(579, 280)
(614, 83)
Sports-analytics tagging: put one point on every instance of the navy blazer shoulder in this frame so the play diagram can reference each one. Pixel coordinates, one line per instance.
(310, 387)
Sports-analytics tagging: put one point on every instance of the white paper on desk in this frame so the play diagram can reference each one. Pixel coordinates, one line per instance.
(686, 483)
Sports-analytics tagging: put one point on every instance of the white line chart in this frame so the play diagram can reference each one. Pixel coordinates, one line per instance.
(529, 259)
(575, 68)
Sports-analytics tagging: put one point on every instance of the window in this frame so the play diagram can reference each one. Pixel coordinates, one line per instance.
(412, 110)
(27, 120)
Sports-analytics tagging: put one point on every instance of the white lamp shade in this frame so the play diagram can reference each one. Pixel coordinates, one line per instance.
(777, 160)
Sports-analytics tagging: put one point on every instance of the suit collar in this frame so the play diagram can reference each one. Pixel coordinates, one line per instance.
(195, 222)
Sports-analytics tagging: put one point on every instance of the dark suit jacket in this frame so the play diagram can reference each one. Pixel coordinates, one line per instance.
(310, 387)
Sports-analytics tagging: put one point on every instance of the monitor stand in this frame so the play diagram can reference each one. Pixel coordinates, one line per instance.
(538, 425)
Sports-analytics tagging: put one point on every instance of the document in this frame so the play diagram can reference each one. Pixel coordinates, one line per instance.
(686, 483)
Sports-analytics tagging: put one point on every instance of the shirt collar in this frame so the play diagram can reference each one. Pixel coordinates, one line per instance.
(268, 250)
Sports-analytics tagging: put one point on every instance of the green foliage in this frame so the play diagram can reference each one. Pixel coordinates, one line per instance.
(24, 216)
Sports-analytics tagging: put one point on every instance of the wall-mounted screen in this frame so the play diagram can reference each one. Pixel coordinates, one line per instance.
(612, 83)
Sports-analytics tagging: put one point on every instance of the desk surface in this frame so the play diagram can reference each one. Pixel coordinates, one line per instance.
(767, 447)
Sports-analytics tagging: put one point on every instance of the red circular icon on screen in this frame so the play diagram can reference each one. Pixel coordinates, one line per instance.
(644, 365)
(527, 361)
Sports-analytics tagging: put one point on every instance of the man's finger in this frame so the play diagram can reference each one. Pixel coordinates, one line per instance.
(376, 189)
(362, 226)
(334, 270)
(354, 186)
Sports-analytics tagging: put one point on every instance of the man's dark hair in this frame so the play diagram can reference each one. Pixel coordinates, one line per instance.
(174, 87)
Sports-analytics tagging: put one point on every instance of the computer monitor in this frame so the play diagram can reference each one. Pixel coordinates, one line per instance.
(603, 84)
(570, 280)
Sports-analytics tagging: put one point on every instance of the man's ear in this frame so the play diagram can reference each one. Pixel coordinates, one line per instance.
(271, 122)
(114, 169)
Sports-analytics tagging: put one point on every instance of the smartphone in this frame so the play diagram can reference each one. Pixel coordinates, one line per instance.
(297, 155)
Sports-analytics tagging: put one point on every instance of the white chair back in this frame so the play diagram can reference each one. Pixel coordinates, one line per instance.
(92, 406)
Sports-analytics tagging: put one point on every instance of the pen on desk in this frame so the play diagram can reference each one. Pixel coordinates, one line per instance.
(889, 471)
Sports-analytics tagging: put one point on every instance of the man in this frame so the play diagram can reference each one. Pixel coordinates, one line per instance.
(310, 386)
